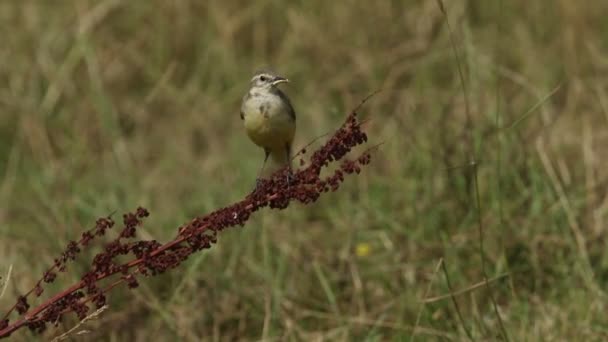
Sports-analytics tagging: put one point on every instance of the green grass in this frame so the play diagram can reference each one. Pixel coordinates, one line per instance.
(107, 105)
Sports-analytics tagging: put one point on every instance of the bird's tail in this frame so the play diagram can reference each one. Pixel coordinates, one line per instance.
(279, 158)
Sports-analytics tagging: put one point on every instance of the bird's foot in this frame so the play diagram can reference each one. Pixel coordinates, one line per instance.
(259, 183)
(290, 178)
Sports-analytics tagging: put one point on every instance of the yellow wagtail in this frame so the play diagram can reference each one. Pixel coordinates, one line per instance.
(269, 118)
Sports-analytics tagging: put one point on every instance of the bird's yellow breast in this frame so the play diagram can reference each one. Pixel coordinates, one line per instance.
(268, 123)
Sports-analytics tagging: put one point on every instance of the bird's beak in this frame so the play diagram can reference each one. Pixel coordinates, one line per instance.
(279, 80)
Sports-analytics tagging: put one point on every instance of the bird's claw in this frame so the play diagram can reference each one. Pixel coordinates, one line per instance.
(289, 178)
(259, 182)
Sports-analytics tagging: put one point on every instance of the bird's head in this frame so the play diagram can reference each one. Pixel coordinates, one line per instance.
(266, 79)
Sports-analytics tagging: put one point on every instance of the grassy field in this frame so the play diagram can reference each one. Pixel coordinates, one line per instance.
(107, 105)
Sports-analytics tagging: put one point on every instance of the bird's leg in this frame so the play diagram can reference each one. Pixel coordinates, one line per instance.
(288, 158)
(258, 179)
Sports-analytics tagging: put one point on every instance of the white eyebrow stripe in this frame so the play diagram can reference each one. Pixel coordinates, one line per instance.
(262, 74)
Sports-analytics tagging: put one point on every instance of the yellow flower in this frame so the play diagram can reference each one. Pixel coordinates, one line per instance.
(362, 249)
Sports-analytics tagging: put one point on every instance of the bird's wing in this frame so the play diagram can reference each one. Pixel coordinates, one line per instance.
(290, 110)
(245, 98)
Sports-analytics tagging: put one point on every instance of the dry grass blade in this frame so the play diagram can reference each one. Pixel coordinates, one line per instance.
(4, 281)
(76, 330)
(422, 305)
(473, 164)
(456, 306)
(463, 291)
(375, 323)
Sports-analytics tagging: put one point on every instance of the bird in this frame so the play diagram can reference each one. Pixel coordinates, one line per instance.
(269, 118)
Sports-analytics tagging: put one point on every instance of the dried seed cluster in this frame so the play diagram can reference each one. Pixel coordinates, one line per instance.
(150, 258)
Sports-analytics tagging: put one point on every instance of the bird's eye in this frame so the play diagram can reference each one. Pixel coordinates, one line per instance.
(263, 78)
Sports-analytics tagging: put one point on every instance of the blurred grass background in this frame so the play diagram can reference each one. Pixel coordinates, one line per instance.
(107, 105)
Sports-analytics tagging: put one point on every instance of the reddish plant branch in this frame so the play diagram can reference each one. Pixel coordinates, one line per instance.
(151, 257)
